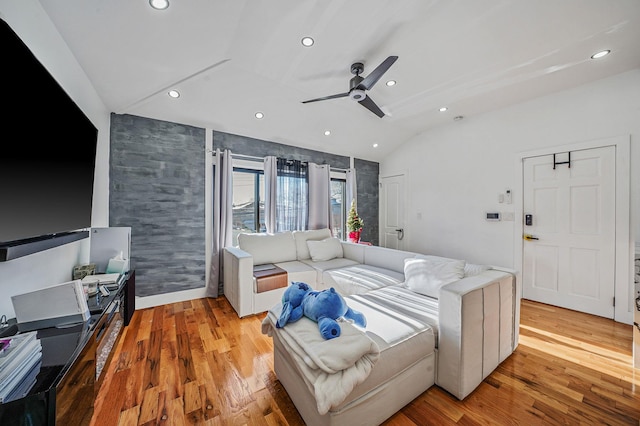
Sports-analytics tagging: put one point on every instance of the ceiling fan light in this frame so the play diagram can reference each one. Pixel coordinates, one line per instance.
(357, 94)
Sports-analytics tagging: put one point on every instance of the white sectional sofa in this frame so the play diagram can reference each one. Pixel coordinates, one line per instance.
(434, 320)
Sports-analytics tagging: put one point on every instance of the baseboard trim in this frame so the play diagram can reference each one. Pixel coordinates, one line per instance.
(166, 298)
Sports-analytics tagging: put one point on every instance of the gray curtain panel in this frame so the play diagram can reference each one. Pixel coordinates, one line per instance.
(222, 217)
(270, 193)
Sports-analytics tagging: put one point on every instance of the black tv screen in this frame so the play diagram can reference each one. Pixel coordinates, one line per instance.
(47, 157)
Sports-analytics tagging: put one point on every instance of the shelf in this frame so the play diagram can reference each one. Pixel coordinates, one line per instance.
(16, 249)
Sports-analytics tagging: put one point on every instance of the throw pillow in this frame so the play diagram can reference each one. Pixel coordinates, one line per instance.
(326, 249)
(427, 276)
(471, 269)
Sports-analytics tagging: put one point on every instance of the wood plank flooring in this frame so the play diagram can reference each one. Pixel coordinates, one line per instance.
(197, 363)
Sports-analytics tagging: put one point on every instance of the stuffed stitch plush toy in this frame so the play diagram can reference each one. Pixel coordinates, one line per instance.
(323, 307)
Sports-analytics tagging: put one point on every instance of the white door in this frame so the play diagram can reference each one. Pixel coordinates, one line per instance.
(569, 245)
(392, 212)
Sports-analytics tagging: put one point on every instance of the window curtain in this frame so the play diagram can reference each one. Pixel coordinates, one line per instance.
(270, 193)
(352, 192)
(292, 200)
(319, 196)
(222, 217)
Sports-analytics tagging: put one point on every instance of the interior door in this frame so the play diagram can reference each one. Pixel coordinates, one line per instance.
(392, 203)
(569, 230)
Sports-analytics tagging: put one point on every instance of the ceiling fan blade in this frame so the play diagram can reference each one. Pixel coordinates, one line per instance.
(371, 106)
(375, 75)
(339, 95)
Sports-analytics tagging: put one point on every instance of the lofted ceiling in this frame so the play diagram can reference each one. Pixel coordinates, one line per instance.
(232, 58)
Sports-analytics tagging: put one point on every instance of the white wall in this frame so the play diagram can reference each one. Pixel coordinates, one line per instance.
(30, 22)
(455, 172)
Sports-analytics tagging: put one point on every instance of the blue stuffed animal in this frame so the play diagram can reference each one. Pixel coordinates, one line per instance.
(323, 307)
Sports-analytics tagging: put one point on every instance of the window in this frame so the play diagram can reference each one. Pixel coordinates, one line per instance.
(293, 196)
(248, 202)
(249, 196)
(338, 207)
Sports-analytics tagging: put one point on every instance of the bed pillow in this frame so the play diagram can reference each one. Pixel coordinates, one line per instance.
(324, 250)
(427, 276)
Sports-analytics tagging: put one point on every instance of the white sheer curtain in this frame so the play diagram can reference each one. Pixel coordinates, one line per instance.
(270, 193)
(293, 195)
(319, 196)
(222, 217)
(352, 192)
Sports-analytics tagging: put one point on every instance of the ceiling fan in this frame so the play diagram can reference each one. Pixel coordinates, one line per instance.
(359, 85)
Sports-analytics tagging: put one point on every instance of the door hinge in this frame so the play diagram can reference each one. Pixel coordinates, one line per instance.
(614, 301)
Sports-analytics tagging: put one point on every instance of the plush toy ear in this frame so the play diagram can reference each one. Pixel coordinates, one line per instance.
(284, 315)
(329, 328)
(357, 317)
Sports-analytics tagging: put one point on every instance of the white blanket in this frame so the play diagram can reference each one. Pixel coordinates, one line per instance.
(330, 368)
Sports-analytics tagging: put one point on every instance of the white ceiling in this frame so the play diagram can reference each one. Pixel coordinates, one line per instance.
(232, 58)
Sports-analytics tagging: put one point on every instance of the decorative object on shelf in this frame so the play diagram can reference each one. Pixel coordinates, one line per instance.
(354, 223)
(81, 271)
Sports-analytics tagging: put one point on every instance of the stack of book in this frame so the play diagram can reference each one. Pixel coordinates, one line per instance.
(20, 361)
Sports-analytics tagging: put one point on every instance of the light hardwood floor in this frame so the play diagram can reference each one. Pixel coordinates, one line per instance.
(196, 362)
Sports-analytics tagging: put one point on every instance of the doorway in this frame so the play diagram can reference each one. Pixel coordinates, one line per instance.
(569, 230)
(392, 221)
(580, 255)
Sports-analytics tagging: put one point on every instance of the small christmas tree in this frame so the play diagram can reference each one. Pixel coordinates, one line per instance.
(354, 222)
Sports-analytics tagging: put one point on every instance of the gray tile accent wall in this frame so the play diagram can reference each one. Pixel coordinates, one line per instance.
(259, 148)
(367, 177)
(157, 175)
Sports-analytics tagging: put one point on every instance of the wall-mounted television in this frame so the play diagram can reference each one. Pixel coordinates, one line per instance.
(47, 157)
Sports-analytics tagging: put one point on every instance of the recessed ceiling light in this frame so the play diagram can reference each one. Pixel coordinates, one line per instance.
(391, 83)
(174, 93)
(259, 115)
(327, 132)
(443, 109)
(159, 4)
(375, 145)
(307, 41)
(600, 54)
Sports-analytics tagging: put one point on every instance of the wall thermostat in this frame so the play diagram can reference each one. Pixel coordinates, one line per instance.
(493, 216)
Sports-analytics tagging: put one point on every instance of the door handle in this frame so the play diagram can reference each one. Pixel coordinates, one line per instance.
(400, 233)
(529, 237)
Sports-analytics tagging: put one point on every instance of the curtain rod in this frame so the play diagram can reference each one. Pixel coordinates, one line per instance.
(241, 156)
(254, 158)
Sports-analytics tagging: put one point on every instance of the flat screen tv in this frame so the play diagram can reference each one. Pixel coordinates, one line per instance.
(47, 157)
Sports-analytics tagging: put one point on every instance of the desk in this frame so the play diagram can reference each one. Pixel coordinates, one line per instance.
(65, 389)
